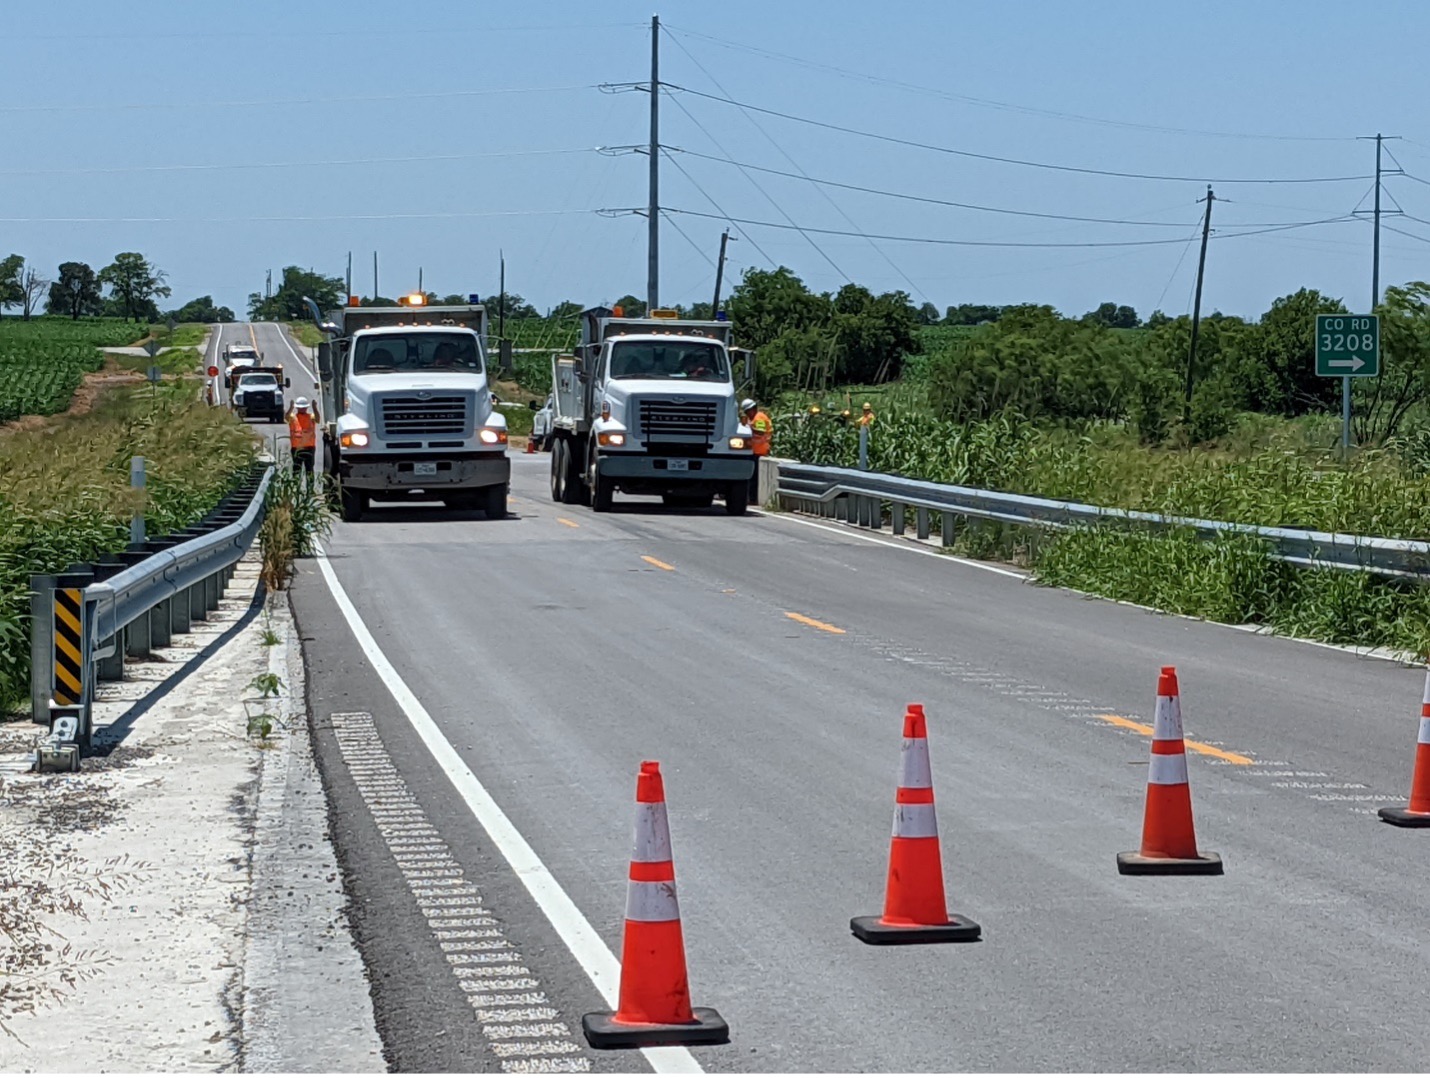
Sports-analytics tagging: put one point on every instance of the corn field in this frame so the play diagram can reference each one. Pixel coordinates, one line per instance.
(42, 361)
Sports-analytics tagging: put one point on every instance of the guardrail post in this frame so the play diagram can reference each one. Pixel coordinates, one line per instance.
(111, 667)
(197, 611)
(161, 624)
(70, 659)
(42, 644)
(921, 522)
(211, 592)
(948, 528)
(178, 613)
(896, 518)
(138, 638)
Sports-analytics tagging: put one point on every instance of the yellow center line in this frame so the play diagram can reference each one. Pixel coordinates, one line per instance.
(252, 336)
(568, 523)
(1196, 746)
(813, 624)
(657, 563)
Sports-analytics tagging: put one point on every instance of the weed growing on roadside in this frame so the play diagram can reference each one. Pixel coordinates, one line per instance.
(298, 516)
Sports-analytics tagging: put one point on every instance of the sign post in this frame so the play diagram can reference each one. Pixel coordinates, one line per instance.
(1347, 346)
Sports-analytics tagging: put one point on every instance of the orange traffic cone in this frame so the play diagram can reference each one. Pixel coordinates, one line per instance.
(530, 444)
(654, 1004)
(914, 907)
(1417, 814)
(1169, 841)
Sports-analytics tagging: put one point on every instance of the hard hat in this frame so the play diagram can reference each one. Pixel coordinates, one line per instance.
(866, 406)
(814, 409)
(301, 403)
(747, 404)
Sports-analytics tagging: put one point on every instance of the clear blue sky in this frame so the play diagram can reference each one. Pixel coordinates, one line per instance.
(100, 99)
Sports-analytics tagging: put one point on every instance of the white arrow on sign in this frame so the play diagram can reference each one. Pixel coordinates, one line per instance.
(1355, 363)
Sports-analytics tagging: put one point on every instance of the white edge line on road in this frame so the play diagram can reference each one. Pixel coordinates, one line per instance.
(585, 945)
(283, 336)
(908, 547)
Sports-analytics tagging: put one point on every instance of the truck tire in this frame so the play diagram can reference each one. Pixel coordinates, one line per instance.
(602, 491)
(558, 471)
(573, 487)
(352, 503)
(494, 502)
(737, 497)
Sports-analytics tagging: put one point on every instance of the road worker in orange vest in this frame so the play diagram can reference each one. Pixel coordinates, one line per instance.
(764, 431)
(302, 435)
(866, 415)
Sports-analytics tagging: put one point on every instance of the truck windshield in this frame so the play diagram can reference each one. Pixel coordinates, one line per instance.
(405, 352)
(250, 380)
(681, 359)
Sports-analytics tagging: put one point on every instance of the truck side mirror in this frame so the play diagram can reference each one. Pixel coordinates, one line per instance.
(504, 355)
(534, 406)
(325, 360)
(749, 366)
(287, 383)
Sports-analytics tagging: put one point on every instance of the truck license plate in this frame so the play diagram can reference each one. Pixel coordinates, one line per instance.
(424, 467)
(678, 465)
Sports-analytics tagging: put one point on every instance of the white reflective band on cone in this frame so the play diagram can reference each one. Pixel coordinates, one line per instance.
(1425, 730)
(1167, 726)
(652, 842)
(652, 902)
(914, 771)
(915, 821)
(1168, 770)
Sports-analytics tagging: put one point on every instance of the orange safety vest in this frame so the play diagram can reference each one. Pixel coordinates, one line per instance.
(302, 431)
(763, 430)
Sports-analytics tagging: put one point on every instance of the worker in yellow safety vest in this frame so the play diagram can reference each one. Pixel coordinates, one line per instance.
(763, 431)
(302, 435)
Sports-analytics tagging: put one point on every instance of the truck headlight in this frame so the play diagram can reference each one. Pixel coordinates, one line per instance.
(354, 439)
(737, 443)
(492, 436)
(611, 437)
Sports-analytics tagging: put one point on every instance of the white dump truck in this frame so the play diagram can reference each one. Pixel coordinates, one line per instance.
(649, 406)
(406, 409)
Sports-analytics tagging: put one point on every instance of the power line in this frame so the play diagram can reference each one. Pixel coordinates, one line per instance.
(699, 250)
(396, 29)
(981, 102)
(953, 204)
(185, 104)
(293, 217)
(239, 165)
(827, 197)
(768, 197)
(720, 209)
(1000, 243)
(1009, 160)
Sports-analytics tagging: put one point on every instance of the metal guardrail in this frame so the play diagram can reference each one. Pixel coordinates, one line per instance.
(859, 497)
(81, 628)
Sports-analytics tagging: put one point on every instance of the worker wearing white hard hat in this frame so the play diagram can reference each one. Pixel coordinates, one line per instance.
(762, 429)
(302, 435)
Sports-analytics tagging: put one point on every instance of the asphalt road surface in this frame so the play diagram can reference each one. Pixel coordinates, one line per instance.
(766, 663)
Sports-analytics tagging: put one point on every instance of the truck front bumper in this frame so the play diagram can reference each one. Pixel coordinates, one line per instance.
(641, 473)
(401, 474)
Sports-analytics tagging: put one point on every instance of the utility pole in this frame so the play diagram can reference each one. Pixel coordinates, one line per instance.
(652, 281)
(268, 286)
(719, 272)
(501, 302)
(1197, 305)
(374, 276)
(419, 279)
(349, 279)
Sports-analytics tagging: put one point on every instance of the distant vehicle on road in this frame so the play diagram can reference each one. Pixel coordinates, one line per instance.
(541, 423)
(259, 393)
(242, 355)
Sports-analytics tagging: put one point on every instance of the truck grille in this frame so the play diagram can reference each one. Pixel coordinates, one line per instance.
(408, 415)
(668, 421)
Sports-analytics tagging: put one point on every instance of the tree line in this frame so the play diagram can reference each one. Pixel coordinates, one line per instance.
(131, 281)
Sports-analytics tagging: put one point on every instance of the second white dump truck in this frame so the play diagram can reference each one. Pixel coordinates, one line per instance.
(649, 406)
(407, 410)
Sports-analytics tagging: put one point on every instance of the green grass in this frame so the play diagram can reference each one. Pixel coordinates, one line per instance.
(65, 495)
(185, 335)
(43, 361)
(307, 334)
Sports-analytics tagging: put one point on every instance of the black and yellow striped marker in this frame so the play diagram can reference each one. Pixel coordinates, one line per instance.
(69, 646)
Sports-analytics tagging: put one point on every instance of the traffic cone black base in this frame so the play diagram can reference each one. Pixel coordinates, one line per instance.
(603, 1031)
(1133, 863)
(1405, 818)
(875, 931)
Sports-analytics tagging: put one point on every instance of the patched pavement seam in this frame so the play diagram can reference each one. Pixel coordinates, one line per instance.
(521, 1027)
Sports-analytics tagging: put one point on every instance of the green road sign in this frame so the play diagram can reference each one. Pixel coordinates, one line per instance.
(1347, 345)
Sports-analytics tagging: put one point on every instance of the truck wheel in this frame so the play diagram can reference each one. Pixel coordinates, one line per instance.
(352, 503)
(737, 497)
(494, 502)
(601, 493)
(573, 487)
(558, 472)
